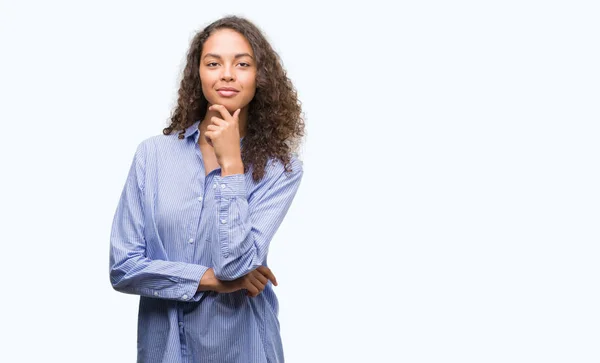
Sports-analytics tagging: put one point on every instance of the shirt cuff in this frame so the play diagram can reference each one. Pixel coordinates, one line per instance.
(189, 281)
(230, 186)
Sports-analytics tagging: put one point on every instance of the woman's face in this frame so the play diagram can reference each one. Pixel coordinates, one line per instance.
(227, 61)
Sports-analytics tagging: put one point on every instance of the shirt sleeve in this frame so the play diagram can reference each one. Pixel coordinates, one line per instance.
(245, 228)
(131, 271)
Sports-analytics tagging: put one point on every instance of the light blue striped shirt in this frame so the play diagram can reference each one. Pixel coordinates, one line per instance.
(171, 224)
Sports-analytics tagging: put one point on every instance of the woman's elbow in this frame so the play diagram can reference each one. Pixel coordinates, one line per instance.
(225, 274)
(117, 278)
(235, 267)
(231, 271)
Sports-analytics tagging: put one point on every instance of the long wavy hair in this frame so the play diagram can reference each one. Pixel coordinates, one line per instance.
(275, 124)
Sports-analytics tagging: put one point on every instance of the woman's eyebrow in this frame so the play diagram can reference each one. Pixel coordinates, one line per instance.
(239, 55)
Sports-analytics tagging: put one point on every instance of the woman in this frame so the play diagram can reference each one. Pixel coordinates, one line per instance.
(199, 208)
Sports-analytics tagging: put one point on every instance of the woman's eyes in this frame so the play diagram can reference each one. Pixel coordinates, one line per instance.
(211, 64)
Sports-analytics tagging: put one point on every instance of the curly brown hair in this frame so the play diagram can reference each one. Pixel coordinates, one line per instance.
(275, 123)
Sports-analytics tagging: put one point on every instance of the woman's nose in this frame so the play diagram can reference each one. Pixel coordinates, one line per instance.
(227, 74)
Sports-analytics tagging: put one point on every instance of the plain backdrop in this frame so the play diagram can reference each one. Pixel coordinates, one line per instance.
(449, 208)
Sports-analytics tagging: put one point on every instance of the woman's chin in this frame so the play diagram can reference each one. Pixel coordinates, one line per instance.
(230, 106)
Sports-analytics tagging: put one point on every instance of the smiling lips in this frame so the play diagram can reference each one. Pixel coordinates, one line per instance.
(227, 92)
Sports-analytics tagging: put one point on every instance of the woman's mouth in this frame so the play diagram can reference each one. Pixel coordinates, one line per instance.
(227, 93)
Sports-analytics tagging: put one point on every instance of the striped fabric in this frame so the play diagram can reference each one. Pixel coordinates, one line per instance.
(171, 224)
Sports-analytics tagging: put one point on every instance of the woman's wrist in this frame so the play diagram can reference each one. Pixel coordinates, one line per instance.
(208, 282)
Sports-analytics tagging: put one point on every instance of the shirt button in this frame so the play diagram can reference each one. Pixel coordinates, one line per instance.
(191, 240)
(155, 293)
(184, 297)
(223, 221)
(214, 186)
(222, 186)
(199, 199)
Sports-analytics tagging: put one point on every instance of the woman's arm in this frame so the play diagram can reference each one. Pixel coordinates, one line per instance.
(245, 227)
(254, 282)
(131, 271)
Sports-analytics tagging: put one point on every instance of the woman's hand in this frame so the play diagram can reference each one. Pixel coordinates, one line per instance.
(254, 282)
(223, 134)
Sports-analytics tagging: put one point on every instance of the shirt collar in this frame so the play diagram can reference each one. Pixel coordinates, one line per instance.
(192, 129)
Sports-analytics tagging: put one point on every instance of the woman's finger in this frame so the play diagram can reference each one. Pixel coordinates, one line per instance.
(208, 135)
(219, 122)
(251, 288)
(267, 273)
(256, 282)
(236, 115)
(222, 110)
(262, 278)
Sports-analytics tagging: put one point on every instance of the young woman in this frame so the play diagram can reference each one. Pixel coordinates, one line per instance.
(200, 206)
